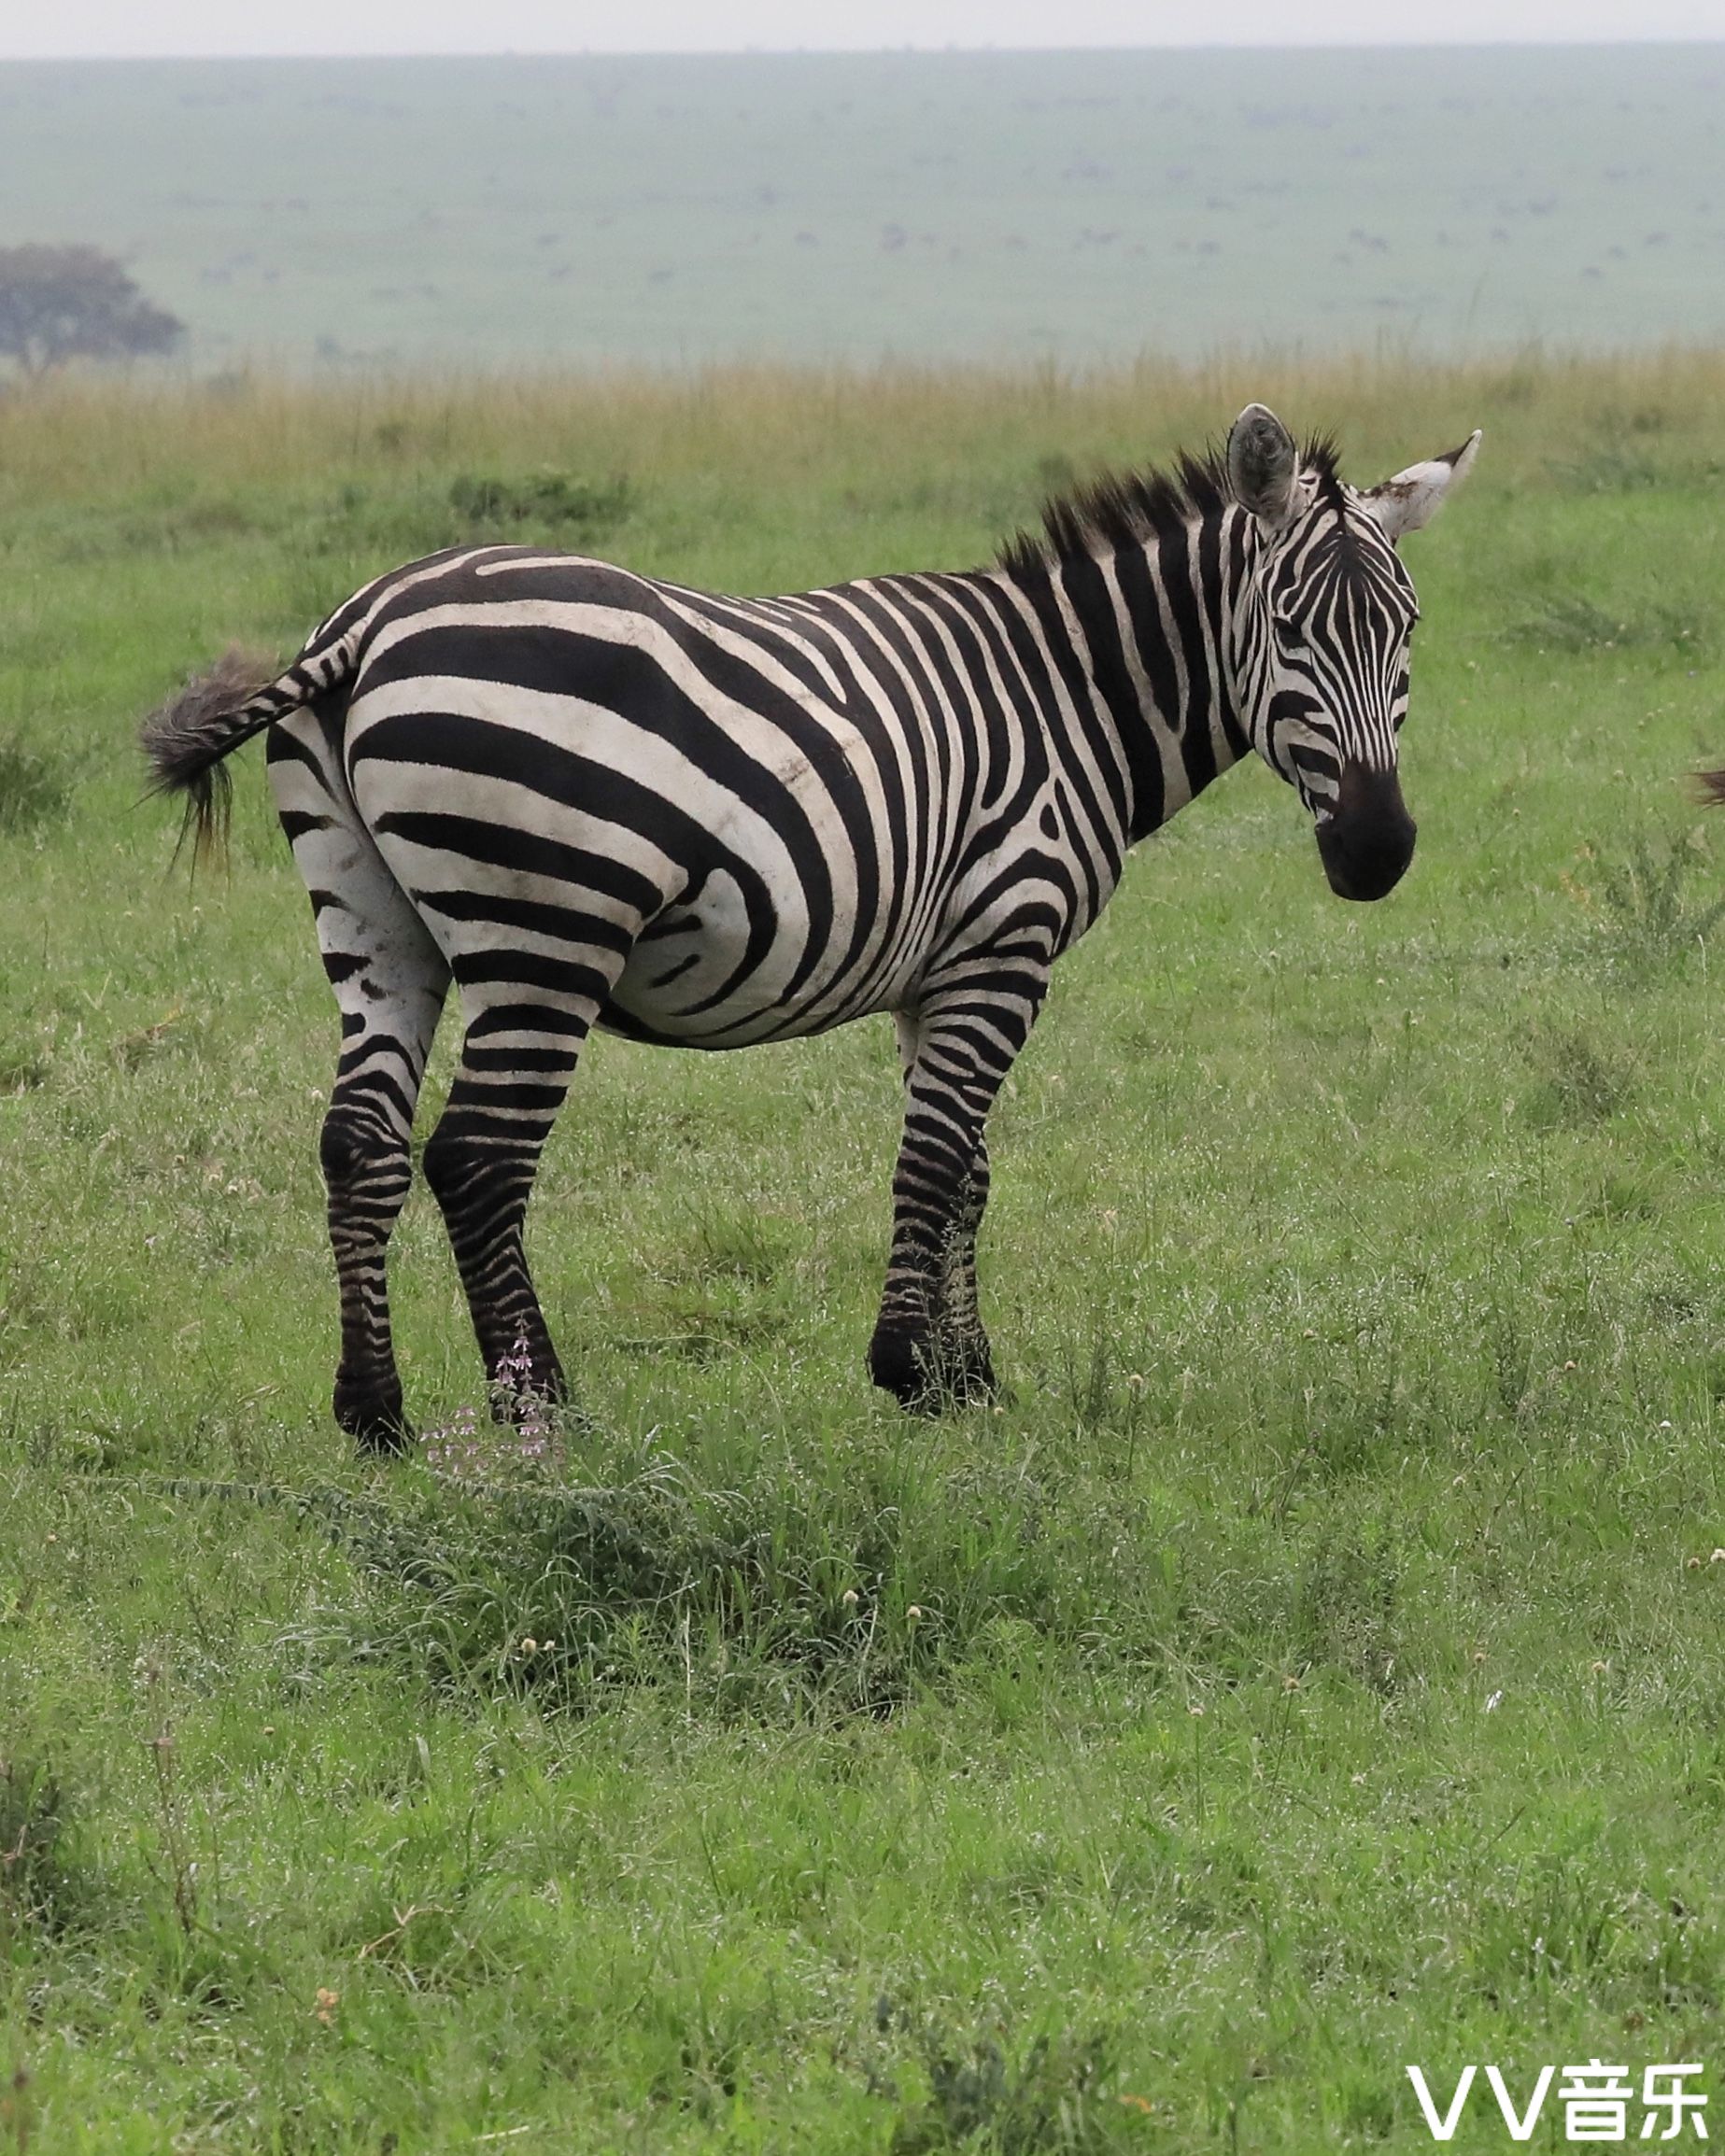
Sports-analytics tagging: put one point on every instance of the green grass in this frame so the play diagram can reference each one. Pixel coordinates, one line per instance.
(1316, 1668)
(938, 206)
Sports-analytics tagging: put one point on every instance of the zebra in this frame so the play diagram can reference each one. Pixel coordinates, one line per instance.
(590, 799)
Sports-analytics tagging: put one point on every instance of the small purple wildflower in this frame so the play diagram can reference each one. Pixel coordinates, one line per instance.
(526, 1439)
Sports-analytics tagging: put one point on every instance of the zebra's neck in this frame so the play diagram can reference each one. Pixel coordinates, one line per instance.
(1148, 641)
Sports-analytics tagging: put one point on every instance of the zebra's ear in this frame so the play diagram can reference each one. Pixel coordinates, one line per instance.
(1414, 496)
(1264, 466)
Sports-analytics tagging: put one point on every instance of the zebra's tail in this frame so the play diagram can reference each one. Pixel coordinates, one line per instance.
(1712, 786)
(186, 741)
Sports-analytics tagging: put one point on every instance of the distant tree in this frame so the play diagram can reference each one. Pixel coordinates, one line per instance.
(60, 303)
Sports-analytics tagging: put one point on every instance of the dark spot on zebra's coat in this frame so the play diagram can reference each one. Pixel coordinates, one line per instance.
(680, 968)
(321, 900)
(342, 966)
(1051, 821)
(668, 923)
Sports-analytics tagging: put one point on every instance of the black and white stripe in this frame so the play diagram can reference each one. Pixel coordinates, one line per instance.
(590, 799)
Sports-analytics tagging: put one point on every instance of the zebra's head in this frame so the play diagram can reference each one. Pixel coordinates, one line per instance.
(1323, 638)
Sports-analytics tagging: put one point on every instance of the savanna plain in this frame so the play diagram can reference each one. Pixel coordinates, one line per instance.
(1316, 1665)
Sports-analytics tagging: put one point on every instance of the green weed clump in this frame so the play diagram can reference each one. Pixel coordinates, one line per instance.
(1583, 1079)
(575, 508)
(1653, 898)
(1057, 2100)
(1571, 621)
(839, 1593)
(35, 788)
(38, 1879)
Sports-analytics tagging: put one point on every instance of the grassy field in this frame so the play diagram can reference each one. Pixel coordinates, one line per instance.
(1317, 1667)
(528, 211)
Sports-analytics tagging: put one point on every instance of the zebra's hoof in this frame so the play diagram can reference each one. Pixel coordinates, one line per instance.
(953, 1385)
(897, 1365)
(924, 1378)
(374, 1420)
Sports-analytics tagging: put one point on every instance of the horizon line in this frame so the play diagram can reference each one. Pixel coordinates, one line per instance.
(952, 48)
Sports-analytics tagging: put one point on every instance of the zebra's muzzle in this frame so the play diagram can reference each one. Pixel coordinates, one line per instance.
(1367, 840)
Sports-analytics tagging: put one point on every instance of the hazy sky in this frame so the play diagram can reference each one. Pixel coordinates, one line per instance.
(92, 28)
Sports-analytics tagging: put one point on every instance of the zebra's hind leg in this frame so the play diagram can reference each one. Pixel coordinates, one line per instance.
(389, 980)
(516, 1064)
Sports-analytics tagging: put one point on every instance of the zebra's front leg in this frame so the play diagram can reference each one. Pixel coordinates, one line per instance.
(929, 1349)
(965, 1368)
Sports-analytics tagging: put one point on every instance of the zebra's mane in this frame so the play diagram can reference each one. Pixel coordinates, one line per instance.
(1126, 509)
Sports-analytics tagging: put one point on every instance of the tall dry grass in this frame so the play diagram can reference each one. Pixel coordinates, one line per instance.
(84, 436)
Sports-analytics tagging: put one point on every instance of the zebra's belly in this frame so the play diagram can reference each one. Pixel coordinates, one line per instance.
(711, 973)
